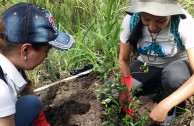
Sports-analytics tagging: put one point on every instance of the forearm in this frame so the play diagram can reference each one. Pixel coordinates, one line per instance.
(186, 90)
(124, 58)
(124, 68)
(181, 94)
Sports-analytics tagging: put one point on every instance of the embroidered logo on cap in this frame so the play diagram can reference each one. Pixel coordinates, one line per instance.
(52, 21)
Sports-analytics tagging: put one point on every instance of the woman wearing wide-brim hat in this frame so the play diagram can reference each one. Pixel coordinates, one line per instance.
(162, 32)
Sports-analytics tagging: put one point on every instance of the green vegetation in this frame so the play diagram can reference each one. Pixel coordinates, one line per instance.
(95, 24)
(108, 95)
(188, 5)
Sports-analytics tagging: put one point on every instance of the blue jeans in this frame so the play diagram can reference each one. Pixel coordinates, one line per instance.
(27, 109)
(170, 78)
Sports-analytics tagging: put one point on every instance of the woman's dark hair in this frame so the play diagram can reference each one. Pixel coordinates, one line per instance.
(6, 46)
(136, 34)
(38, 46)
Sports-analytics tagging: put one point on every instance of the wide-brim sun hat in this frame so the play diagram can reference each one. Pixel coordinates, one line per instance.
(156, 7)
(28, 23)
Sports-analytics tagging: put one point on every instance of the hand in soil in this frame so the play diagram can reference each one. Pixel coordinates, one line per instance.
(158, 114)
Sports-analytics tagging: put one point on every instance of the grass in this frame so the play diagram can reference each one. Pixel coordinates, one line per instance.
(95, 26)
(188, 5)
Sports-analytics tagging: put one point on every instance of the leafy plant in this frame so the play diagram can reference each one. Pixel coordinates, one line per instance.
(108, 95)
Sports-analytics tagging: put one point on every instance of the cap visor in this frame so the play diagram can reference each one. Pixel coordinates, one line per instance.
(63, 41)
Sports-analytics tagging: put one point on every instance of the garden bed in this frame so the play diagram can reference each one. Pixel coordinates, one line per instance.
(74, 103)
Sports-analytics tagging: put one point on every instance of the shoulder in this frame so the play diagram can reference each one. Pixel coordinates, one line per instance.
(125, 29)
(185, 29)
(126, 22)
(126, 19)
(188, 15)
(188, 21)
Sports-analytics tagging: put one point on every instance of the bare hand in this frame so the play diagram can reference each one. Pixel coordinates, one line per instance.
(158, 114)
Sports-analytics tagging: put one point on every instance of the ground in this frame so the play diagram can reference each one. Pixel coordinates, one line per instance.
(74, 103)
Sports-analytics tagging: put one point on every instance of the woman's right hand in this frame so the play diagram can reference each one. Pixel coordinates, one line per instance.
(124, 69)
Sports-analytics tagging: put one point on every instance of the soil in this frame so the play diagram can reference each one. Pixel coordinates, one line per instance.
(74, 103)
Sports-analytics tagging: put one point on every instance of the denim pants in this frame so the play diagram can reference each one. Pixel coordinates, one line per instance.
(169, 78)
(27, 109)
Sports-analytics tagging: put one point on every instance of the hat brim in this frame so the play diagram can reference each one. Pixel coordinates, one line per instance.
(63, 41)
(157, 9)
